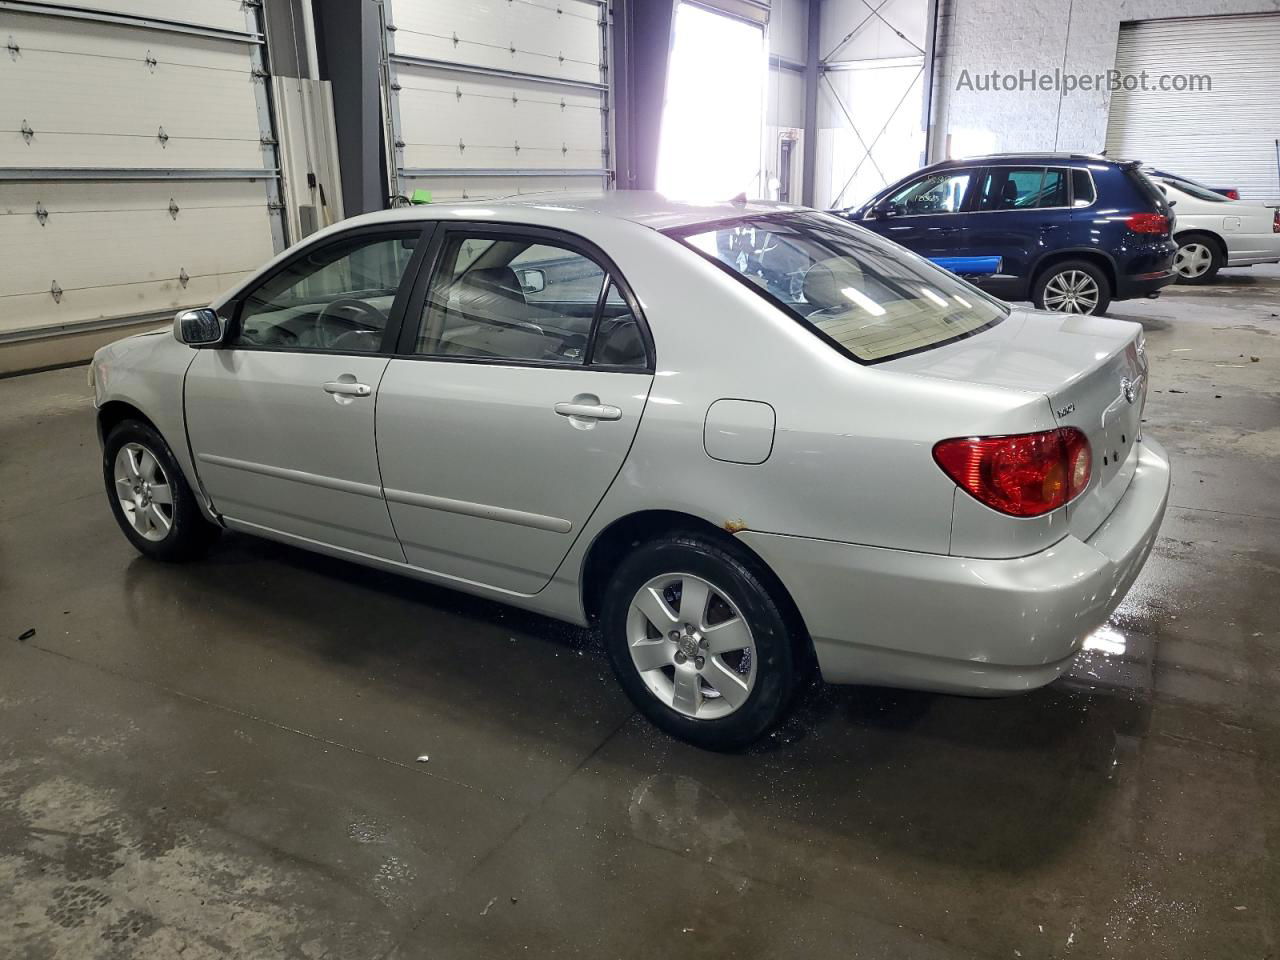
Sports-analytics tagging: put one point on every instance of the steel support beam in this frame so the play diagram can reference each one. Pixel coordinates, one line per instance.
(813, 55)
(926, 109)
(782, 63)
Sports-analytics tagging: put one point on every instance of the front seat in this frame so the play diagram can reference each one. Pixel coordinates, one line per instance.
(489, 317)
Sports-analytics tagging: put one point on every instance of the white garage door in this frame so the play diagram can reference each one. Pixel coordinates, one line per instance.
(137, 161)
(1224, 136)
(490, 98)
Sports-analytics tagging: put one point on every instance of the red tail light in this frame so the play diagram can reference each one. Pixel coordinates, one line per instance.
(1275, 222)
(1148, 223)
(1231, 194)
(1024, 475)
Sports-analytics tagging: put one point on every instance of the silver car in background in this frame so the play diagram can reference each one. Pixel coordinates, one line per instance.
(747, 440)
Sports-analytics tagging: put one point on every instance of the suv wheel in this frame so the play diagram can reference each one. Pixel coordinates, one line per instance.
(150, 497)
(1199, 258)
(1073, 286)
(699, 642)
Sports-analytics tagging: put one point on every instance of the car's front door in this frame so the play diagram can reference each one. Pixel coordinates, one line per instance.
(522, 373)
(927, 215)
(281, 417)
(1019, 213)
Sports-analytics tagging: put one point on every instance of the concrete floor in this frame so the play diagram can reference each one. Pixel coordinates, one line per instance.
(219, 760)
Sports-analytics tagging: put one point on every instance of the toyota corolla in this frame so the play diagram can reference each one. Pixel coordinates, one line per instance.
(745, 440)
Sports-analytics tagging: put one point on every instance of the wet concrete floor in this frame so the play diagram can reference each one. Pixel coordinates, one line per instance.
(221, 759)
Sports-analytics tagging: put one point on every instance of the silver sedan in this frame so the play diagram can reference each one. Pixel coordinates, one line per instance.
(748, 441)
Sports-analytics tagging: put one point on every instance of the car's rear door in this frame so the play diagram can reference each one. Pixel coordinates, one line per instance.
(520, 378)
(281, 417)
(1019, 213)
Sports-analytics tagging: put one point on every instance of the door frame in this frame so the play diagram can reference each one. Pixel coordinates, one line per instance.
(411, 314)
(408, 280)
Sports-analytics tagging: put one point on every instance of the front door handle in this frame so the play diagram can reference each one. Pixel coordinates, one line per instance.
(344, 388)
(588, 411)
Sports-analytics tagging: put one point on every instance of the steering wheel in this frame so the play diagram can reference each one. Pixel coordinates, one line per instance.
(351, 305)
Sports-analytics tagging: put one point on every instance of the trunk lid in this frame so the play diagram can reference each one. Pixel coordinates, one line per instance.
(1092, 372)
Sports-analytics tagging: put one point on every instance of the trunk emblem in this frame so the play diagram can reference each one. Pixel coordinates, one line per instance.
(1129, 389)
(1066, 411)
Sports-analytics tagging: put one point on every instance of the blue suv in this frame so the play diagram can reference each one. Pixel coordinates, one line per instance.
(1070, 232)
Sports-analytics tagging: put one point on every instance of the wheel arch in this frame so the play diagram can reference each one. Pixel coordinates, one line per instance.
(626, 533)
(1090, 255)
(1209, 235)
(114, 412)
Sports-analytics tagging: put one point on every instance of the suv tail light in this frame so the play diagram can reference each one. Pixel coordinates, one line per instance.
(1275, 222)
(1148, 223)
(1024, 475)
(1232, 194)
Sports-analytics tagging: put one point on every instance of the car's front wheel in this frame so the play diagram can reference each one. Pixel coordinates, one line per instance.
(1199, 258)
(1073, 286)
(700, 641)
(150, 497)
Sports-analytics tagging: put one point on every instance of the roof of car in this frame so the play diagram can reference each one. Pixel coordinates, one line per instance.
(648, 208)
(1047, 157)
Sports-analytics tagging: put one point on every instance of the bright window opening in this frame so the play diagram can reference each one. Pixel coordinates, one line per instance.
(713, 118)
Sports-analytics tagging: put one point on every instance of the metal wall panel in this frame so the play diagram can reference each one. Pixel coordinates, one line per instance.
(121, 249)
(214, 14)
(138, 168)
(496, 97)
(1226, 136)
(97, 94)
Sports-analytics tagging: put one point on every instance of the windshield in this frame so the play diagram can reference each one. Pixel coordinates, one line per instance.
(869, 297)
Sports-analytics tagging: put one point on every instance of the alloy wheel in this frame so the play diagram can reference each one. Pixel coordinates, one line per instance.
(1193, 260)
(143, 491)
(1071, 291)
(691, 646)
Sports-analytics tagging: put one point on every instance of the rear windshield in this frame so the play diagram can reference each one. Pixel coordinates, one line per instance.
(868, 297)
(1149, 189)
(1197, 191)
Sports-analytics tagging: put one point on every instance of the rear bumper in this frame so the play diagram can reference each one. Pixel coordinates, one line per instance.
(1133, 286)
(961, 625)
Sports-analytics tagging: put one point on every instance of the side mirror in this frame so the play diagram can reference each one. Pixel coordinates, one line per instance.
(883, 210)
(532, 280)
(199, 328)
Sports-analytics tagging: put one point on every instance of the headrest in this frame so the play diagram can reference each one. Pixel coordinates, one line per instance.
(825, 279)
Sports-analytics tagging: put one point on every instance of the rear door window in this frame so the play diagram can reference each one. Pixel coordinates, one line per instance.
(1022, 188)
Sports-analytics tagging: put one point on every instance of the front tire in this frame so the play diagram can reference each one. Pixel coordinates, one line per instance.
(1199, 258)
(700, 642)
(1073, 286)
(149, 496)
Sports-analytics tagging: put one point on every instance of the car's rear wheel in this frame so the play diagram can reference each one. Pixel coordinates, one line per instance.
(150, 497)
(1199, 258)
(700, 641)
(1073, 286)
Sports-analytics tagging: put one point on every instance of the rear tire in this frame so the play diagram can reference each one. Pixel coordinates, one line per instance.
(700, 642)
(1072, 286)
(150, 497)
(1199, 258)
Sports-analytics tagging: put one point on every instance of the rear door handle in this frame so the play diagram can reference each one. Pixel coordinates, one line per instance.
(588, 411)
(345, 389)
